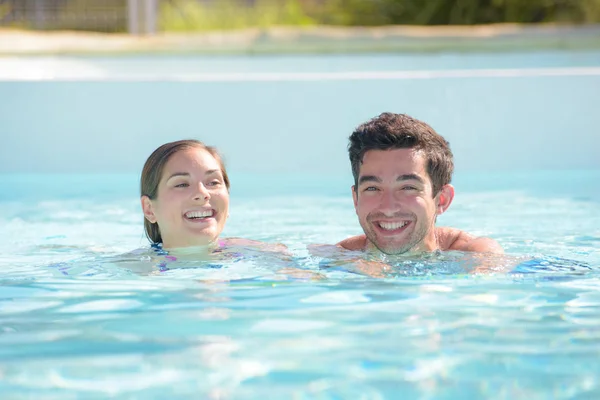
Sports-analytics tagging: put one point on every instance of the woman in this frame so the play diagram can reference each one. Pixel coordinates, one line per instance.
(184, 195)
(185, 200)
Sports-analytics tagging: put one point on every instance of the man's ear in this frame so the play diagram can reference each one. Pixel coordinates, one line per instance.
(148, 210)
(354, 196)
(444, 199)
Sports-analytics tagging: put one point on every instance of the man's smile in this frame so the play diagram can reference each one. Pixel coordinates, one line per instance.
(391, 228)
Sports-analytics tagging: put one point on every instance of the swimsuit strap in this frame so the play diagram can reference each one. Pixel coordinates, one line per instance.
(162, 266)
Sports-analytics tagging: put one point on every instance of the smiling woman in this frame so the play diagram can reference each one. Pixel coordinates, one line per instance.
(185, 200)
(184, 194)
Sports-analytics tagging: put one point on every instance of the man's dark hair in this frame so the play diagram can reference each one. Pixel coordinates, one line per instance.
(391, 131)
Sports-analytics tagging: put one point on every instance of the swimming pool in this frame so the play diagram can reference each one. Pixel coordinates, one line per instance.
(76, 323)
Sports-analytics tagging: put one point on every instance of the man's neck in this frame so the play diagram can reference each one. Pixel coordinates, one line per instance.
(429, 244)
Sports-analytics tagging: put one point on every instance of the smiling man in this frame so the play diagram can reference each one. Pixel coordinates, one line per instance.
(402, 171)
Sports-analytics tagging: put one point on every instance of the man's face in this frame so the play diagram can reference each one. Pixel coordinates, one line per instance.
(394, 201)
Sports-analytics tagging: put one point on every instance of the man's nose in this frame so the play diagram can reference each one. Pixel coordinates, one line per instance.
(388, 202)
(202, 193)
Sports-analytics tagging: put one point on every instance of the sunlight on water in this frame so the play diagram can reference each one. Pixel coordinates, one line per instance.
(80, 313)
(89, 310)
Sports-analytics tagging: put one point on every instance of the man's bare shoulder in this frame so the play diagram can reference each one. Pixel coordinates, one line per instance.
(455, 239)
(354, 243)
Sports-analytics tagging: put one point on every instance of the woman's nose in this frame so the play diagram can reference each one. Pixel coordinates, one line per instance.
(202, 192)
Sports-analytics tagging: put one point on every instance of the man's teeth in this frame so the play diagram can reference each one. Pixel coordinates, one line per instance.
(390, 226)
(198, 214)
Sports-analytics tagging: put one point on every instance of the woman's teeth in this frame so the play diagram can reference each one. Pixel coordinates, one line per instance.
(199, 214)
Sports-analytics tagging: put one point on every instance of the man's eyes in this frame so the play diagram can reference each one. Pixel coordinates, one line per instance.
(375, 188)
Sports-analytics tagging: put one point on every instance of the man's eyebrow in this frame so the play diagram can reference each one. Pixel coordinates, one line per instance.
(410, 177)
(368, 178)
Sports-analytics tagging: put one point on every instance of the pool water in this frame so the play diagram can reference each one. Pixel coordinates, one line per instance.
(87, 311)
(80, 319)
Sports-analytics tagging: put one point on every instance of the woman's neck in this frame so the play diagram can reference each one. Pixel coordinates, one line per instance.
(186, 251)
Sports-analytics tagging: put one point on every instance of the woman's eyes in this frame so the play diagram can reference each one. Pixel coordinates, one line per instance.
(209, 184)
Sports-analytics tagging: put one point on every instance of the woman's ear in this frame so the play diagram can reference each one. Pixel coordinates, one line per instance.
(148, 209)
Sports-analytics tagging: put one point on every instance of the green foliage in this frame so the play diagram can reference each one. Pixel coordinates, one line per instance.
(186, 15)
(204, 15)
(590, 10)
(191, 15)
(91, 15)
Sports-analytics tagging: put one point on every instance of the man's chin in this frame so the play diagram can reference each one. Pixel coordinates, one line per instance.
(390, 249)
(393, 251)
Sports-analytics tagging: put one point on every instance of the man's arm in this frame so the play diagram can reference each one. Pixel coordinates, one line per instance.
(336, 255)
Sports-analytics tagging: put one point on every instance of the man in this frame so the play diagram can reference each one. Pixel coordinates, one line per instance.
(402, 171)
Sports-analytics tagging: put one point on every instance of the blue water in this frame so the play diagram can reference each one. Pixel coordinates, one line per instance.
(82, 316)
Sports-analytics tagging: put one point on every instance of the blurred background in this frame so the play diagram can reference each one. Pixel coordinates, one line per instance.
(93, 86)
(202, 15)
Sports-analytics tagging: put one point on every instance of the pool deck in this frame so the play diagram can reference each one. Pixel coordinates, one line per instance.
(409, 39)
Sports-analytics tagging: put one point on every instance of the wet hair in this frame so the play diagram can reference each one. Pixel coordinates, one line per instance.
(153, 170)
(391, 131)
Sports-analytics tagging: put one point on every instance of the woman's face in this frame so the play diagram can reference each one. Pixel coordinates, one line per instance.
(192, 202)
